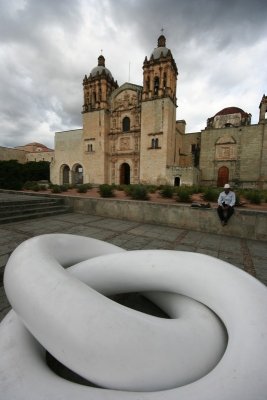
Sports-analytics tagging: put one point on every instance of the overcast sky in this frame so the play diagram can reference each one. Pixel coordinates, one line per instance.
(47, 46)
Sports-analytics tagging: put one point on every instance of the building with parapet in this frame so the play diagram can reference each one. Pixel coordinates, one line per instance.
(130, 135)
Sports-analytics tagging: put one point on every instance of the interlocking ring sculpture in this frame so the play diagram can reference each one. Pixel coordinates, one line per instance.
(214, 346)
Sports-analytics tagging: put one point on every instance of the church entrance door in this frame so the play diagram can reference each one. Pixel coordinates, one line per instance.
(125, 174)
(223, 176)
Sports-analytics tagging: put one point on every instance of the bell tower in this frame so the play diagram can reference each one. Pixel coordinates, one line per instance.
(160, 73)
(158, 117)
(97, 89)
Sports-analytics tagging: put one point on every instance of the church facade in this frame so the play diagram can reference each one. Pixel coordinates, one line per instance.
(130, 135)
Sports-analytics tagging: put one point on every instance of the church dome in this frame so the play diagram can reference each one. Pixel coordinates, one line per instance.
(229, 117)
(100, 68)
(231, 110)
(161, 49)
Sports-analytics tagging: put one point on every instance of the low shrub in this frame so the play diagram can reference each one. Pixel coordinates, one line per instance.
(64, 187)
(128, 189)
(167, 191)
(254, 196)
(82, 188)
(139, 192)
(211, 194)
(29, 185)
(56, 189)
(106, 190)
(42, 187)
(183, 195)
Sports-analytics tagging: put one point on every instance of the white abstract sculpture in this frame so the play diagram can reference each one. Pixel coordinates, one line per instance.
(213, 347)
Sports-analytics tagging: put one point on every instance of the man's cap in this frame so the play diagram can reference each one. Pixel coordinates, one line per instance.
(226, 186)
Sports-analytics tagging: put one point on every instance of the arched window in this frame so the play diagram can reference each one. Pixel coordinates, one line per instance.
(148, 84)
(77, 174)
(155, 143)
(156, 85)
(164, 80)
(94, 98)
(126, 124)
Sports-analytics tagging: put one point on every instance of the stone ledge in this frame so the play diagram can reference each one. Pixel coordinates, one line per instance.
(245, 223)
(248, 224)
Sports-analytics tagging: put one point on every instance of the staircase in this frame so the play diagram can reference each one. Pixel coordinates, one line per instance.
(30, 207)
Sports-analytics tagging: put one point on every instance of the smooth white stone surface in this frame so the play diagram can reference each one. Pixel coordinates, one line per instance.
(123, 349)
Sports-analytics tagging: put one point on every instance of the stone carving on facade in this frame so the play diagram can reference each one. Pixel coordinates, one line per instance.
(124, 143)
(225, 148)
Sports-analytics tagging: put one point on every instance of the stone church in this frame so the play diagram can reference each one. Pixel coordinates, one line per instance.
(130, 135)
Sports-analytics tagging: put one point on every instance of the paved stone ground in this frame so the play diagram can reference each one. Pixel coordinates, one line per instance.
(249, 255)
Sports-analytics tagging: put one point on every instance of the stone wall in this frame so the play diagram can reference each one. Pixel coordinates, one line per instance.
(238, 149)
(7, 154)
(243, 224)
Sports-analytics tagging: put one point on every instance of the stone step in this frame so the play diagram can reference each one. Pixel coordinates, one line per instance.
(43, 213)
(22, 203)
(31, 209)
(28, 208)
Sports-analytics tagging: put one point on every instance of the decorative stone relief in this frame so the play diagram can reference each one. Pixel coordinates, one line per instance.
(124, 143)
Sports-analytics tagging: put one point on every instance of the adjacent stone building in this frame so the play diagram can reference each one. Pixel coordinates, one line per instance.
(29, 152)
(130, 135)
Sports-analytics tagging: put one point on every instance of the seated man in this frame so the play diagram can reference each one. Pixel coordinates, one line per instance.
(226, 202)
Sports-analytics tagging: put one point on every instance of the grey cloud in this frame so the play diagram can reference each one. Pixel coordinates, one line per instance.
(46, 47)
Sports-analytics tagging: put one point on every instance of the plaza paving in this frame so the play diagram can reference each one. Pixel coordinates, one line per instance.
(249, 255)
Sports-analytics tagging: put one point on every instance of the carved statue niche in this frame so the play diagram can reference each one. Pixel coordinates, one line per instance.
(125, 143)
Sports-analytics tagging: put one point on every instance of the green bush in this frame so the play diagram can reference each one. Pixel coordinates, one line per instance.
(14, 175)
(64, 187)
(167, 191)
(29, 185)
(42, 187)
(11, 175)
(211, 194)
(139, 192)
(106, 190)
(82, 188)
(36, 171)
(183, 194)
(254, 196)
(56, 189)
(128, 189)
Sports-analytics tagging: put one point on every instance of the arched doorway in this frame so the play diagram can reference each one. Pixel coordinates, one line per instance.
(223, 176)
(124, 174)
(177, 181)
(65, 174)
(77, 174)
